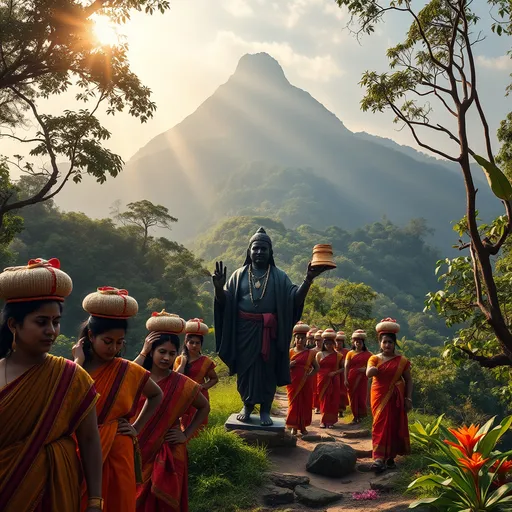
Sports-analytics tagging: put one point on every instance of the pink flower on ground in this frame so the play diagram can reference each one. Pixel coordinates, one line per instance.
(370, 494)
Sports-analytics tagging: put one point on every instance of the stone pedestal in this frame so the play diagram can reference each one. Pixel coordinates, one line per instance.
(254, 424)
(273, 436)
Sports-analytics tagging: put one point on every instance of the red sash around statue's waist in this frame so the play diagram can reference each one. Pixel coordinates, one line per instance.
(269, 321)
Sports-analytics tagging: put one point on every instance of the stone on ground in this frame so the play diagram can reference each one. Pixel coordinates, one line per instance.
(267, 439)
(357, 434)
(273, 495)
(332, 459)
(386, 482)
(288, 480)
(314, 497)
(318, 438)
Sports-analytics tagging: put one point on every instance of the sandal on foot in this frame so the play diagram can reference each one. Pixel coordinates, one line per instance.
(391, 464)
(378, 466)
(322, 425)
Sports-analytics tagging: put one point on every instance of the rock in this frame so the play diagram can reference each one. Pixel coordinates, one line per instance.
(332, 459)
(363, 454)
(314, 497)
(345, 482)
(386, 482)
(273, 495)
(287, 480)
(267, 439)
(318, 438)
(357, 434)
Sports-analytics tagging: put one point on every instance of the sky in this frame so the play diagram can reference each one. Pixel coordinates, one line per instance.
(186, 53)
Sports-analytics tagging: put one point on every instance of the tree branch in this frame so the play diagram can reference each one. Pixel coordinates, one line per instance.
(487, 362)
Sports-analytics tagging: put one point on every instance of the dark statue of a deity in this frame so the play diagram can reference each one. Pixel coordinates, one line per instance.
(255, 312)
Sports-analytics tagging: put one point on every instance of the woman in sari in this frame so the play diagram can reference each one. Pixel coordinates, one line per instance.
(310, 337)
(319, 343)
(196, 366)
(390, 398)
(303, 367)
(120, 384)
(340, 348)
(163, 444)
(46, 402)
(356, 380)
(330, 363)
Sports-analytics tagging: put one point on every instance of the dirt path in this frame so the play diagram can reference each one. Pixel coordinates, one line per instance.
(293, 460)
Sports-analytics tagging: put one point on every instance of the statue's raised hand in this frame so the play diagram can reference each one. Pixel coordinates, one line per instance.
(219, 276)
(315, 271)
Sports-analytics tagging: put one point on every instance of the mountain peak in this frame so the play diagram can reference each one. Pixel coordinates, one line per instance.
(257, 67)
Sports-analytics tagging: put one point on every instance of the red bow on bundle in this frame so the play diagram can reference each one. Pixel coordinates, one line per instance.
(162, 313)
(40, 262)
(112, 291)
(388, 320)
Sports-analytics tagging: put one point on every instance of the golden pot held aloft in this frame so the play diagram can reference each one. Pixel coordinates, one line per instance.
(323, 256)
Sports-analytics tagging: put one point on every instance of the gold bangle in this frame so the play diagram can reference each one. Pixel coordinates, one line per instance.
(95, 503)
(143, 355)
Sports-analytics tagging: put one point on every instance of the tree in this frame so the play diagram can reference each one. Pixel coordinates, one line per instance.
(48, 48)
(145, 215)
(436, 62)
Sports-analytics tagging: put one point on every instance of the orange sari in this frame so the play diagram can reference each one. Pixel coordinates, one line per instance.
(197, 371)
(300, 391)
(120, 384)
(329, 388)
(358, 382)
(390, 431)
(343, 389)
(316, 401)
(164, 485)
(39, 411)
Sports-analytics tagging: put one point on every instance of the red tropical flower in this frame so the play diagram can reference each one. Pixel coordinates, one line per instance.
(505, 468)
(473, 463)
(467, 438)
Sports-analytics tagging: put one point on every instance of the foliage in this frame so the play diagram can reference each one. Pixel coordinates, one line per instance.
(476, 476)
(434, 67)
(97, 253)
(49, 49)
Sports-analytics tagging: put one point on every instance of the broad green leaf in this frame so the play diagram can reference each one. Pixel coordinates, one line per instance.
(486, 445)
(498, 182)
(429, 481)
(498, 494)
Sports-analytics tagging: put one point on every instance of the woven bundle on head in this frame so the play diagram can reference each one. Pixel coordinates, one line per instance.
(40, 279)
(318, 334)
(196, 326)
(301, 328)
(166, 323)
(341, 336)
(110, 302)
(329, 334)
(388, 326)
(359, 334)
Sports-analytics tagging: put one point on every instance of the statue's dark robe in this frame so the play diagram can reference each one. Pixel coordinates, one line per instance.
(239, 341)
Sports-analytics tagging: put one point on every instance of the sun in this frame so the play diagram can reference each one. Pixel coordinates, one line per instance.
(105, 32)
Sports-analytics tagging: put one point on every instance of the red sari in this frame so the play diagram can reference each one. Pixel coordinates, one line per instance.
(300, 391)
(316, 401)
(343, 389)
(120, 384)
(197, 371)
(357, 382)
(329, 388)
(164, 486)
(390, 431)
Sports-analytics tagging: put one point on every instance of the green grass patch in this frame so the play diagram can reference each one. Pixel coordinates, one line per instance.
(224, 400)
(224, 472)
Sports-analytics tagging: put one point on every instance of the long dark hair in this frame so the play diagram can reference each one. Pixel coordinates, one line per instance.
(354, 345)
(164, 338)
(392, 335)
(185, 349)
(99, 326)
(328, 339)
(17, 311)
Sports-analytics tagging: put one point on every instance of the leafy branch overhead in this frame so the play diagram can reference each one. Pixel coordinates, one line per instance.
(434, 70)
(48, 49)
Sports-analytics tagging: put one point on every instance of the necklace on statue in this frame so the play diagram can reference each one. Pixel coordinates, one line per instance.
(253, 282)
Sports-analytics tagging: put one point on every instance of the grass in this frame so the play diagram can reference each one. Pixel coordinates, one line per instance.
(225, 473)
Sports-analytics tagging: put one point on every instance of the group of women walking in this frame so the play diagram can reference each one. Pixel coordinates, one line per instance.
(102, 432)
(327, 377)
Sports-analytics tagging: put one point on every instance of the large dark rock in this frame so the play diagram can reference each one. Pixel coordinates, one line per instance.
(332, 459)
(287, 480)
(315, 497)
(268, 439)
(386, 482)
(273, 495)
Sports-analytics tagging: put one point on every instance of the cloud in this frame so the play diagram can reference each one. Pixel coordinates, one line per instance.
(238, 8)
(502, 63)
(319, 68)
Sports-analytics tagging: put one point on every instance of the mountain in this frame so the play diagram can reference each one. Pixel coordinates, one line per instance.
(261, 146)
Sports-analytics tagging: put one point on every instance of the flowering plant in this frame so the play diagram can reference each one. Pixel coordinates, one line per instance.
(476, 477)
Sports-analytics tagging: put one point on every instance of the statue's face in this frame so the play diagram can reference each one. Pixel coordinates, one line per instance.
(260, 254)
